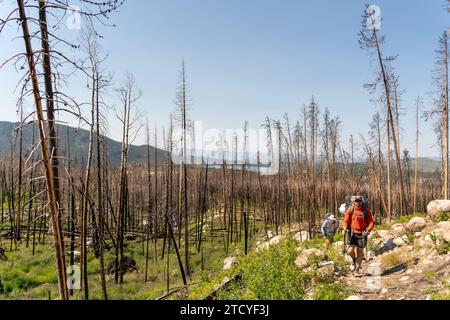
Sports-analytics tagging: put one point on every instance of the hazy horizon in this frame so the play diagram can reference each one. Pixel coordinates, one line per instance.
(248, 60)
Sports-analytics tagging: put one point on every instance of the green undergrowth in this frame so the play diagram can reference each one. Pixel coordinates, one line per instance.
(443, 293)
(442, 216)
(24, 276)
(272, 275)
(406, 219)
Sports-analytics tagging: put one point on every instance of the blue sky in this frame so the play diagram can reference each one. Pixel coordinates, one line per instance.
(255, 58)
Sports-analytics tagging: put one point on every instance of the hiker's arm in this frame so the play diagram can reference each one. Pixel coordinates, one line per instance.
(371, 223)
(346, 219)
(322, 228)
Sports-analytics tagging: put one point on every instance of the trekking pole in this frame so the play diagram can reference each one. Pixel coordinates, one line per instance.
(366, 241)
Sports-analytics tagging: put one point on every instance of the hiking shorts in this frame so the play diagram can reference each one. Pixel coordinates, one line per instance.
(357, 241)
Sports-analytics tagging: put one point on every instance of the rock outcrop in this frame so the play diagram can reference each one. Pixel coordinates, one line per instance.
(438, 206)
(229, 263)
(416, 224)
(301, 236)
(308, 256)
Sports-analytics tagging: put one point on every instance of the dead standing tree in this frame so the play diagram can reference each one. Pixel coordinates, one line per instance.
(129, 117)
(49, 173)
(370, 40)
(98, 83)
(441, 112)
(181, 116)
(44, 66)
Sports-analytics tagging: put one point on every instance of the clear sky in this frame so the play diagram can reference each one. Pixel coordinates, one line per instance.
(248, 59)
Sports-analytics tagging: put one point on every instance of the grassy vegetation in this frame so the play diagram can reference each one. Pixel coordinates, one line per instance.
(442, 246)
(24, 276)
(272, 275)
(391, 259)
(406, 219)
(442, 216)
(443, 293)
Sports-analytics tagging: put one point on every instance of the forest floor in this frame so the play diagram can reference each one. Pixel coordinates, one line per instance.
(408, 259)
(33, 276)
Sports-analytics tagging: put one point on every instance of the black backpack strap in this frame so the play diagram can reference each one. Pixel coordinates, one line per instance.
(366, 216)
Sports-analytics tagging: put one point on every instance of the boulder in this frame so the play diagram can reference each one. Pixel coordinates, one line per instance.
(378, 242)
(446, 235)
(229, 263)
(398, 229)
(438, 206)
(308, 256)
(384, 235)
(443, 225)
(301, 236)
(262, 246)
(275, 240)
(416, 224)
(399, 242)
(327, 269)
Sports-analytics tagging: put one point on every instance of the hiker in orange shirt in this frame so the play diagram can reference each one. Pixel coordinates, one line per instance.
(358, 223)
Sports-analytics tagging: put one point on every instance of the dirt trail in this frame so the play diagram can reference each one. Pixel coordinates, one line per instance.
(423, 272)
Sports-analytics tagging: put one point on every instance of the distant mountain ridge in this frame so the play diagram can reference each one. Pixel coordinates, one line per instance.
(79, 142)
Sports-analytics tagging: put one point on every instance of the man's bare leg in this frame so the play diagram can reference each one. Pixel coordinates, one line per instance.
(352, 254)
(359, 258)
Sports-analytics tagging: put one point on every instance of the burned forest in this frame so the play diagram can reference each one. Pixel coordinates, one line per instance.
(151, 214)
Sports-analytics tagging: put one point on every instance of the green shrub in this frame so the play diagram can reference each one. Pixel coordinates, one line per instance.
(17, 279)
(236, 291)
(391, 259)
(406, 219)
(441, 246)
(442, 216)
(442, 293)
(272, 274)
(330, 291)
(410, 238)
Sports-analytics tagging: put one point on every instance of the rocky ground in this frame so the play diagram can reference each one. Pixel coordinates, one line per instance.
(409, 261)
